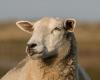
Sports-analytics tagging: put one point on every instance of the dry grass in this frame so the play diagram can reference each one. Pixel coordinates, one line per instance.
(13, 42)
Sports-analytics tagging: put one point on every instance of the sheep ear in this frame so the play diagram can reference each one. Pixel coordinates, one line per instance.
(69, 24)
(25, 26)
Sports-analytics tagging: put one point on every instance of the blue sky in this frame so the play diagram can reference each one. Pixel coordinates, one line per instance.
(80, 9)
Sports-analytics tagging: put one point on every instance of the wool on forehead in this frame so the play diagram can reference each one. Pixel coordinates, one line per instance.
(49, 22)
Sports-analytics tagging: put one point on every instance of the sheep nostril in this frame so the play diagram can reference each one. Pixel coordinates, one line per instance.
(32, 45)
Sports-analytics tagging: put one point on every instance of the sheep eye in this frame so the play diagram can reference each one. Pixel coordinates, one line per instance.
(56, 29)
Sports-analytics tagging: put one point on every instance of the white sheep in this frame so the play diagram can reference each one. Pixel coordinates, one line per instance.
(52, 52)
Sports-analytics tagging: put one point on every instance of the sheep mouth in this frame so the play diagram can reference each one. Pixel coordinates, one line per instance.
(33, 52)
(42, 54)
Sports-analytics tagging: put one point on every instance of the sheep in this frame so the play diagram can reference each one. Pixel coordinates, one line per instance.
(52, 51)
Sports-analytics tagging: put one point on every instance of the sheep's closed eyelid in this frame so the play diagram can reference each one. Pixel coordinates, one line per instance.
(56, 28)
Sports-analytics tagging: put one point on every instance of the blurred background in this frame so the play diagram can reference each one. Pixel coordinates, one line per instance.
(13, 40)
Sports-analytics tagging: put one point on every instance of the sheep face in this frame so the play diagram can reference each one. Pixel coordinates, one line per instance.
(48, 35)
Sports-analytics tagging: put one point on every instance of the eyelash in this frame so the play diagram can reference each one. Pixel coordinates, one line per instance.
(58, 29)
